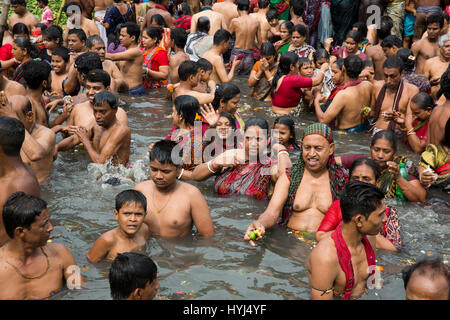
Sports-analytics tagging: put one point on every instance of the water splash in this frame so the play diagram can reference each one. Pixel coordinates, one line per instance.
(108, 174)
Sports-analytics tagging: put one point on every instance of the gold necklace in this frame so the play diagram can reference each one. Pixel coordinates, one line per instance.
(154, 203)
(32, 278)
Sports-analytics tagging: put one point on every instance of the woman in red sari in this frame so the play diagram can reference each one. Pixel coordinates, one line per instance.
(156, 63)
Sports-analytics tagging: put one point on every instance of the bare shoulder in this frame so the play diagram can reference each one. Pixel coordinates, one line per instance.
(144, 186)
(14, 88)
(189, 189)
(325, 252)
(58, 250)
(412, 89)
(26, 182)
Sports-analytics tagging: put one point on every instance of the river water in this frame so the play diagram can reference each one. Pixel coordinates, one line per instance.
(223, 267)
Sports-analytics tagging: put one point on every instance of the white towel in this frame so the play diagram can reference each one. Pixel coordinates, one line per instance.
(101, 28)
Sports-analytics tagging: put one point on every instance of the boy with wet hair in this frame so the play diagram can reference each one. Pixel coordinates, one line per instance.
(130, 235)
(178, 38)
(204, 69)
(133, 276)
(59, 62)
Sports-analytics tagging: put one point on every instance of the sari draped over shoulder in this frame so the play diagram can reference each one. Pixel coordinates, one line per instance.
(439, 160)
(149, 56)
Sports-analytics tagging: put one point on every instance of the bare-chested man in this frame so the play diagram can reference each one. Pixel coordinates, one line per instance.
(14, 174)
(160, 8)
(95, 44)
(30, 267)
(11, 87)
(37, 79)
(216, 19)
(425, 8)
(173, 207)
(428, 47)
(130, 60)
(440, 114)
(246, 29)
(75, 20)
(39, 144)
(60, 65)
(109, 138)
(82, 114)
(178, 38)
(21, 14)
(375, 52)
(391, 97)
(348, 105)
(76, 42)
(189, 79)
(342, 263)
(228, 9)
(309, 189)
(221, 43)
(436, 66)
(260, 15)
(99, 13)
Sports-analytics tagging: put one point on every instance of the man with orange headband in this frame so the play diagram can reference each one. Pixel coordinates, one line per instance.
(305, 192)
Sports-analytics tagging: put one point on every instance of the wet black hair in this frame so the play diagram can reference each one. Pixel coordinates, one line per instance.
(132, 29)
(262, 4)
(301, 29)
(289, 26)
(430, 267)
(88, 61)
(393, 62)
(25, 44)
(12, 135)
(79, 33)
(288, 122)
(203, 25)
(154, 33)
(62, 52)
(130, 196)
(35, 72)
(287, 59)
(321, 53)
(340, 63)
(20, 28)
(386, 25)
(367, 63)
(386, 135)
(179, 36)
(271, 14)
(362, 27)
(130, 271)
(359, 198)
(19, 2)
(188, 107)
(243, 5)
(207, 2)
(220, 36)
(159, 20)
(404, 54)
(21, 210)
(106, 97)
(355, 35)
(162, 152)
(298, 7)
(99, 75)
(391, 41)
(185, 9)
(94, 39)
(353, 66)
(258, 122)
(186, 69)
(204, 65)
(368, 162)
(267, 49)
(224, 93)
(423, 100)
(230, 118)
(435, 18)
(54, 33)
(43, 26)
(302, 61)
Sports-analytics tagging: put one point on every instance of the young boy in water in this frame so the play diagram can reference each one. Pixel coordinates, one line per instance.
(204, 69)
(130, 235)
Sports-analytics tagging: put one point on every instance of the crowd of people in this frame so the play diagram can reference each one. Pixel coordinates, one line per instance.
(60, 89)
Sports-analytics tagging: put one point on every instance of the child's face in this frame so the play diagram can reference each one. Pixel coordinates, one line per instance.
(49, 44)
(224, 128)
(284, 33)
(204, 75)
(284, 134)
(58, 64)
(130, 217)
(307, 70)
(273, 23)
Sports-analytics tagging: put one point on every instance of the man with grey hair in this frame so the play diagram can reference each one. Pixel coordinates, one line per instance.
(436, 66)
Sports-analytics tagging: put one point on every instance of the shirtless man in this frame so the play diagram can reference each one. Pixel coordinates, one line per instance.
(39, 144)
(260, 15)
(189, 79)
(297, 11)
(75, 20)
(228, 9)
(385, 110)
(348, 104)
(330, 267)
(76, 42)
(95, 44)
(11, 87)
(21, 14)
(425, 8)
(30, 267)
(436, 66)
(130, 60)
(37, 79)
(440, 114)
(375, 52)
(60, 66)
(428, 47)
(216, 19)
(172, 219)
(82, 114)
(109, 138)
(390, 45)
(160, 8)
(246, 29)
(178, 37)
(221, 43)
(14, 174)
(99, 12)
(307, 197)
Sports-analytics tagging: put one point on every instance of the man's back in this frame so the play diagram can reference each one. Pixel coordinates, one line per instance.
(216, 21)
(356, 98)
(264, 26)
(165, 14)
(228, 9)
(437, 122)
(246, 29)
(376, 54)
